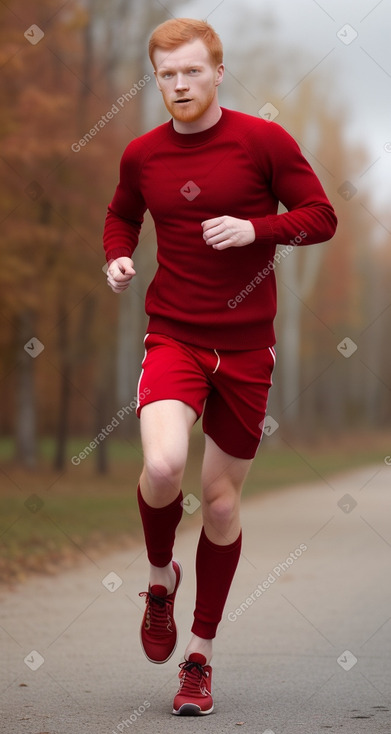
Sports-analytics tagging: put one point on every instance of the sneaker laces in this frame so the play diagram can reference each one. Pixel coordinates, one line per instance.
(192, 675)
(159, 612)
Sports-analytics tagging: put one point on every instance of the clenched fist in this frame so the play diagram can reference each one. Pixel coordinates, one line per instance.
(119, 274)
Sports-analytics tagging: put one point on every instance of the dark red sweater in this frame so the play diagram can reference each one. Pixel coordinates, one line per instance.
(241, 167)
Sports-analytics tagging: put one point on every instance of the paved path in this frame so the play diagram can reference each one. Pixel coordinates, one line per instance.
(304, 646)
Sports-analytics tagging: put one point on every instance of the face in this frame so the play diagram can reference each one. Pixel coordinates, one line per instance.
(187, 79)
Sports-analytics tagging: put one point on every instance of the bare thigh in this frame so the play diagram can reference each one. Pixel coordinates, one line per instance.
(165, 429)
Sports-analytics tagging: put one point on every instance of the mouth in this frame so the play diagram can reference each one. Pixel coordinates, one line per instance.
(184, 100)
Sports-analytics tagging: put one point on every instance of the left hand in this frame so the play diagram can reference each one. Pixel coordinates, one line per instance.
(223, 232)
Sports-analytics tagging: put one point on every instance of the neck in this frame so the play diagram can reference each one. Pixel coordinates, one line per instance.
(207, 120)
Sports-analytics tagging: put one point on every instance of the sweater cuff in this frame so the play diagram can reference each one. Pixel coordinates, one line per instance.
(118, 252)
(263, 230)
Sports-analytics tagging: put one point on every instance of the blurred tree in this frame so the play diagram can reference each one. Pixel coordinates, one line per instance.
(52, 209)
(54, 91)
(322, 289)
(310, 123)
(124, 27)
(375, 342)
(45, 215)
(128, 26)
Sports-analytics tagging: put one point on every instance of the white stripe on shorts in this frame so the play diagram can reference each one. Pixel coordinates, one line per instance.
(141, 373)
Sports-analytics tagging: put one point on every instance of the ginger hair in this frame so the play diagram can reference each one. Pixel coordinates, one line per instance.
(175, 32)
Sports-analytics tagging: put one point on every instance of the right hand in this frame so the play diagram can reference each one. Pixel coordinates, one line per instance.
(119, 274)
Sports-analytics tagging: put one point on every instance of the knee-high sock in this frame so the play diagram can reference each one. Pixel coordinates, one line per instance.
(215, 569)
(160, 524)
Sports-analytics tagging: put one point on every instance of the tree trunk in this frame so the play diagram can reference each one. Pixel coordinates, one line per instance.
(128, 354)
(298, 286)
(26, 429)
(102, 462)
(65, 382)
(131, 306)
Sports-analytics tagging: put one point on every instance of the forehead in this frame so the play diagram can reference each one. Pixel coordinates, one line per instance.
(188, 54)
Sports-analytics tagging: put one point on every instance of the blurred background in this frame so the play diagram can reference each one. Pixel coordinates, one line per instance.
(77, 86)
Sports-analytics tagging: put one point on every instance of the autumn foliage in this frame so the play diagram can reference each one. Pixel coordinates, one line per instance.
(60, 67)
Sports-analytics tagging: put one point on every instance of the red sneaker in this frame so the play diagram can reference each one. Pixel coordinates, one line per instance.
(158, 629)
(194, 697)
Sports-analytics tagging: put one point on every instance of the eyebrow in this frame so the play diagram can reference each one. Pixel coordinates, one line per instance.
(195, 65)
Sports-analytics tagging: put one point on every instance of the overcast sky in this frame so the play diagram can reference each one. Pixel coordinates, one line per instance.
(349, 41)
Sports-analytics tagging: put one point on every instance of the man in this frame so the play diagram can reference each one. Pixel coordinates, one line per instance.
(212, 179)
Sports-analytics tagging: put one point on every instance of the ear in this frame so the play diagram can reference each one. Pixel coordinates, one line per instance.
(219, 74)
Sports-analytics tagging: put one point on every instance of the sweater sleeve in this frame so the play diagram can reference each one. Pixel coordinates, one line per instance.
(310, 218)
(125, 213)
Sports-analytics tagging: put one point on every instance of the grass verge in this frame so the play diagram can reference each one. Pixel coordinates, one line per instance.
(52, 520)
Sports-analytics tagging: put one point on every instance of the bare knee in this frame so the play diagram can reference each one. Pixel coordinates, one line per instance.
(165, 429)
(162, 477)
(220, 507)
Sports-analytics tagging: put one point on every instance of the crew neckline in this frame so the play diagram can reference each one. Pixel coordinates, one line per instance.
(191, 140)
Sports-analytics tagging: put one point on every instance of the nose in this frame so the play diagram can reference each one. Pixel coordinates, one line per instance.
(181, 82)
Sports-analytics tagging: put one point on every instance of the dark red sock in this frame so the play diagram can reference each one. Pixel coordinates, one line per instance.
(160, 524)
(215, 569)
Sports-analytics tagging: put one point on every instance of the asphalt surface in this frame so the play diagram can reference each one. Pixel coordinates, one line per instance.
(304, 646)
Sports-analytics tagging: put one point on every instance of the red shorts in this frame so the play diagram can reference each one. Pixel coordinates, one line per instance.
(229, 387)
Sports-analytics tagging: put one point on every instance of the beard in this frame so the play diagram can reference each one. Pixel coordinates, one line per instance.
(191, 111)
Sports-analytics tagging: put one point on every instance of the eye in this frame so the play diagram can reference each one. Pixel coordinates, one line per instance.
(194, 71)
(166, 75)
